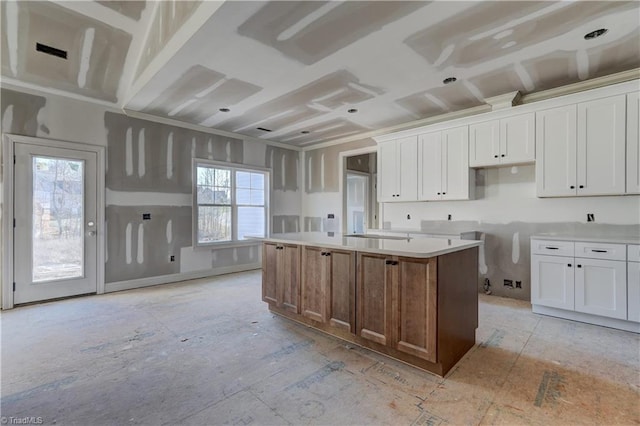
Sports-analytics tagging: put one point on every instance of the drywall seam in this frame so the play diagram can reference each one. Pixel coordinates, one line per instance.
(35, 89)
(139, 198)
(172, 278)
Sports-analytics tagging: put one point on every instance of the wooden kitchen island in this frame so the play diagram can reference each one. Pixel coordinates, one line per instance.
(414, 300)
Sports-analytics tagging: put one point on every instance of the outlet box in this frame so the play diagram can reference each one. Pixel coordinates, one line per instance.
(172, 258)
(591, 217)
(508, 283)
(408, 217)
(518, 284)
(448, 217)
(146, 216)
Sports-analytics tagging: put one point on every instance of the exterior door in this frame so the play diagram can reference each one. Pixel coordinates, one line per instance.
(55, 233)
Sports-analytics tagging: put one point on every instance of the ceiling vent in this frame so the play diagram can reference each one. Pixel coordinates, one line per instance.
(49, 50)
(263, 129)
(507, 100)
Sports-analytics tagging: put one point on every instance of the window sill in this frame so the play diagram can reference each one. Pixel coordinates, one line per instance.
(226, 244)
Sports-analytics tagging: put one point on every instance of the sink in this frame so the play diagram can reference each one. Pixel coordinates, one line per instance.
(377, 237)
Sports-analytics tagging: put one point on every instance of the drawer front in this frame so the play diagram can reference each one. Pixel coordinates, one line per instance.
(552, 248)
(633, 252)
(601, 251)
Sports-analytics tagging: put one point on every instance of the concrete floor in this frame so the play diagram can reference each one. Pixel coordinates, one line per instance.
(209, 352)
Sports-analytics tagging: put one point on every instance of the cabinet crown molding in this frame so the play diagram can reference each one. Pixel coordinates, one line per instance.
(504, 101)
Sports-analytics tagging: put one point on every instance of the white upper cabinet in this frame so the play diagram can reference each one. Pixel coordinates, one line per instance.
(601, 146)
(398, 170)
(580, 149)
(633, 143)
(506, 141)
(556, 138)
(443, 172)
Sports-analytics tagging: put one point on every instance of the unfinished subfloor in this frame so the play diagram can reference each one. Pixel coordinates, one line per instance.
(208, 352)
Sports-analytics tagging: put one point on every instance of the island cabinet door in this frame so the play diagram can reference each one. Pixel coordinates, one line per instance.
(374, 297)
(269, 272)
(417, 307)
(289, 277)
(315, 291)
(342, 282)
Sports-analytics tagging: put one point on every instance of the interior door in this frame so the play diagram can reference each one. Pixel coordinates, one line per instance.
(55, 233)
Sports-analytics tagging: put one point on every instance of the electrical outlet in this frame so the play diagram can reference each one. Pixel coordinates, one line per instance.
(172, 258)
(448, 217)
(146, 216)
(331, 216)
(508, 283)
(518, 284)
(591, 217)
(408, 217)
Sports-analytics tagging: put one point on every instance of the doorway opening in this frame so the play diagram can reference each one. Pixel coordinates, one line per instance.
(361, 200)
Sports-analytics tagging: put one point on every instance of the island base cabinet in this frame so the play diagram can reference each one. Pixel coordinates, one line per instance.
(375, 286)
(281, 275)
(417, 296)
(328, 286)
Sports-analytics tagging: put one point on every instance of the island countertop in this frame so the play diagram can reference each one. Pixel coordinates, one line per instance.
(414, 247)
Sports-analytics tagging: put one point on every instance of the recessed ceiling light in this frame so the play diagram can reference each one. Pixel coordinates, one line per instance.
(352, 111)
(305, 132)
(595, 34)
(224, 110)
(449, 80)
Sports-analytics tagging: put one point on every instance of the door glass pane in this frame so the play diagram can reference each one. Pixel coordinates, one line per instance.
(58, 219)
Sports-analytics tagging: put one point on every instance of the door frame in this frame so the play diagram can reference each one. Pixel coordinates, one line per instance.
(342, 179)
(8, 152)
(367, 194)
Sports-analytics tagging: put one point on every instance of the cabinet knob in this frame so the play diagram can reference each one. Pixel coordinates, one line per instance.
(388, 262)
(581, 186)
(444, 193)
(572, 187)
(495, 156)
(569, 265)
(502, 155)
(438, 193)
(579, 266)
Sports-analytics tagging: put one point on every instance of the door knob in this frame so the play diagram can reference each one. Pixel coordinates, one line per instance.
(92, 233)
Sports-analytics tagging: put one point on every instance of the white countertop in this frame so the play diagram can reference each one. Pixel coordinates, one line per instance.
(595, 238)
(414, 247)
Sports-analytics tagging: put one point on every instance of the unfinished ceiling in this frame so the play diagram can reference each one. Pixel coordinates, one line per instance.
(290, 71)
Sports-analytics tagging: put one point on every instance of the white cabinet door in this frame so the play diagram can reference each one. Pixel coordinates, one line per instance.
(601, 287)
(556, 152)
(633, 291)
(601, 146)
(484, 144)
(407, 169)
(455, 164)
(552, 281)
(633, 143)
(517, 139)
(387, 172)
(430, 170)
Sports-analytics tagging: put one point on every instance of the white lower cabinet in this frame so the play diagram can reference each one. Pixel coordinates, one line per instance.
(586, 281)
(552, 281)
(601, 287)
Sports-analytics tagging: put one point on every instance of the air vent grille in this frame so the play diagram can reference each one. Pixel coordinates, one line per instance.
(263, 129)
(51, 50)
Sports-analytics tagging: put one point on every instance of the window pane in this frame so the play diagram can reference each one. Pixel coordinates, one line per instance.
(223, 178)
(250, 222)
(205, 194)
(257, 180)
(214, 224)
(243, 196)
(58, 219)
(243, 180)
(257, 197)
(205, 176)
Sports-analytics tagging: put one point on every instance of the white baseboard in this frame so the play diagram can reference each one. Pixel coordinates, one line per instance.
(634, 327)
(172, 278)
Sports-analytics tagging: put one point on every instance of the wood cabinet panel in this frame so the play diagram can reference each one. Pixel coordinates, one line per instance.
(601, 287)
(269, 273)
(633, 143)
(314, 284)
(417, 307)
(552, 281)
(290, 266)
(556, 138)
(484, 144)
(374, 308)
(343, 285)
(517, 139)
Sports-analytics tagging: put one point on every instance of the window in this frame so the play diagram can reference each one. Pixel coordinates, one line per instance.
(230, 203)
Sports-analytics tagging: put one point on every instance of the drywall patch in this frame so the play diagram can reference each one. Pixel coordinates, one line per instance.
(310, 31)
(20, 112)
(285, 223)
(498, 81)
(127, 146)
(284, 168)
(421, 106)
(131, 8)
(197, 95)
(338, 89)
(141, 249)
(312, 224)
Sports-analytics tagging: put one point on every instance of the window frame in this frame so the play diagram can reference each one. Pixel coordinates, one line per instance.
(233, 168)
